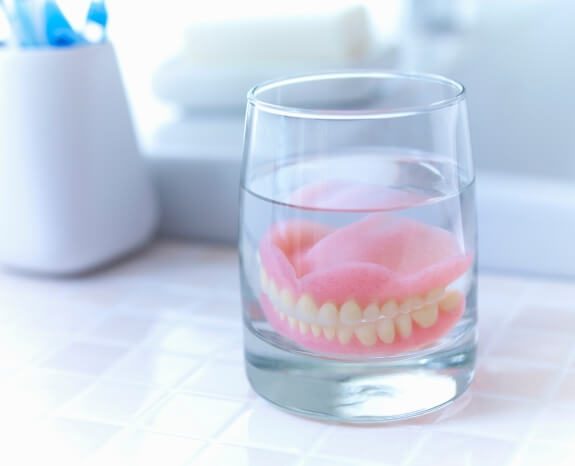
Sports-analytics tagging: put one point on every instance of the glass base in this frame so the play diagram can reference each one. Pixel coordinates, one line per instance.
(359, 392)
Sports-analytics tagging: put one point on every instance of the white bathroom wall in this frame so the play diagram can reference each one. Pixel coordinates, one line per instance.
(516, 60)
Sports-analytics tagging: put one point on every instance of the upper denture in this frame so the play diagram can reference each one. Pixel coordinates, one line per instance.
(380, 258)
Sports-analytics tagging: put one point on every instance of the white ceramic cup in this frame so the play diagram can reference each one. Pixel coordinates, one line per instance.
(74, 190)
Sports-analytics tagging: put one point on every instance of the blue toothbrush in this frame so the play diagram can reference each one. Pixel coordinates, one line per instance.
(59, 33)
(4, 17)
(22, 18)
(96, 21)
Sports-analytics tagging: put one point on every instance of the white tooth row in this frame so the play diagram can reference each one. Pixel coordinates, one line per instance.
(373, 322)
(351, 313)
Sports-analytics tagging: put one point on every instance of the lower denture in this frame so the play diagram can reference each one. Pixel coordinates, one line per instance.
(377, 286)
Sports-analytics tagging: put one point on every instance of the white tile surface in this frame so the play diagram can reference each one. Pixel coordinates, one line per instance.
(21, 346)
(565, 394)
(191, 415)
(64, 315)
(317, 461)
(508, 378)
(147, 366)
(85, 358)
(167, 305)
(552, 293)
(557, 424)
(142, 364)
(265, 426)
(216, 274)
(227, 379)
(126, 329)
(556, 320)
(55, 441)
(539, 453)
(111, 401)
(533, 346)
(451, 449)
(141, 448)
(232, 352)
(38, 391)
(489, 416)
(194, 338)
(220, 455)
(216, 307)
(384, 445)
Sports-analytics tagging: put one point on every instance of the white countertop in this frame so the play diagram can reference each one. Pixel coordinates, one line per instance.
(141, 364)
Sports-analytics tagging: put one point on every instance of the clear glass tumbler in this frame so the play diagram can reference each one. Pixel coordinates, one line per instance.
(358, 245)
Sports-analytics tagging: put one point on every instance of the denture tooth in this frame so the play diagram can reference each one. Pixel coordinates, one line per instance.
(450, 301)
(315, 330)
(386, 330)
(264, 280)
(371, 313)
(390, 309)
(303, 327)
(434, 295)
(408, 304)
(403, 324)
(306, 309)
(426, 316)
(287, 302)
(350, 313)
(272, 290)
(292, 322)
(366, 335)
(344, 335)
(329, 333)
(327, 315)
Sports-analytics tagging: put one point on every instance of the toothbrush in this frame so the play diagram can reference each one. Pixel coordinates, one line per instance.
(37, 17)
(59, 33)
(96, 21)
(21, 14)
(4, 18)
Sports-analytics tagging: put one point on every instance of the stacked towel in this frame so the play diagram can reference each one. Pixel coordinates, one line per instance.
(221, 60)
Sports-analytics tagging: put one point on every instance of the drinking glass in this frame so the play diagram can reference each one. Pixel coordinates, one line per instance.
(358, 245)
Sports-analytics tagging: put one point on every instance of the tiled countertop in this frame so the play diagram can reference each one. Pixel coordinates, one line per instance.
(141, 364)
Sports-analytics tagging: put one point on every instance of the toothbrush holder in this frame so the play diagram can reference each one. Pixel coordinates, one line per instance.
(74, 190)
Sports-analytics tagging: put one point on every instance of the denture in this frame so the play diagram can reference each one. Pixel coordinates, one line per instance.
(382, 285)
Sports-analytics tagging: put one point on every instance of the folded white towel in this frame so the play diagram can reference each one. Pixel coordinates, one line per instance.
(337, 36)
(222, 60)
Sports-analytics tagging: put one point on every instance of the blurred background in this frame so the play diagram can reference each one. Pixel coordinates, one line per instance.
(188, 65)
(512, 55)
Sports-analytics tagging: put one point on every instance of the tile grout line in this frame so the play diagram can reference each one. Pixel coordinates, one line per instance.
(44, 356)
(133, 425)
(176, 388)
(131, 349)
(102, 376)
(515, 310)
(547, 400)
(410, 458)
(168, 392)
(312, 449)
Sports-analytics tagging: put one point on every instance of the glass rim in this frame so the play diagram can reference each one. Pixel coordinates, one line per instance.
(398, 111)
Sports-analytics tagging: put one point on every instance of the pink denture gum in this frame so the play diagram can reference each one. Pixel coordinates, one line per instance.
(376, 286)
